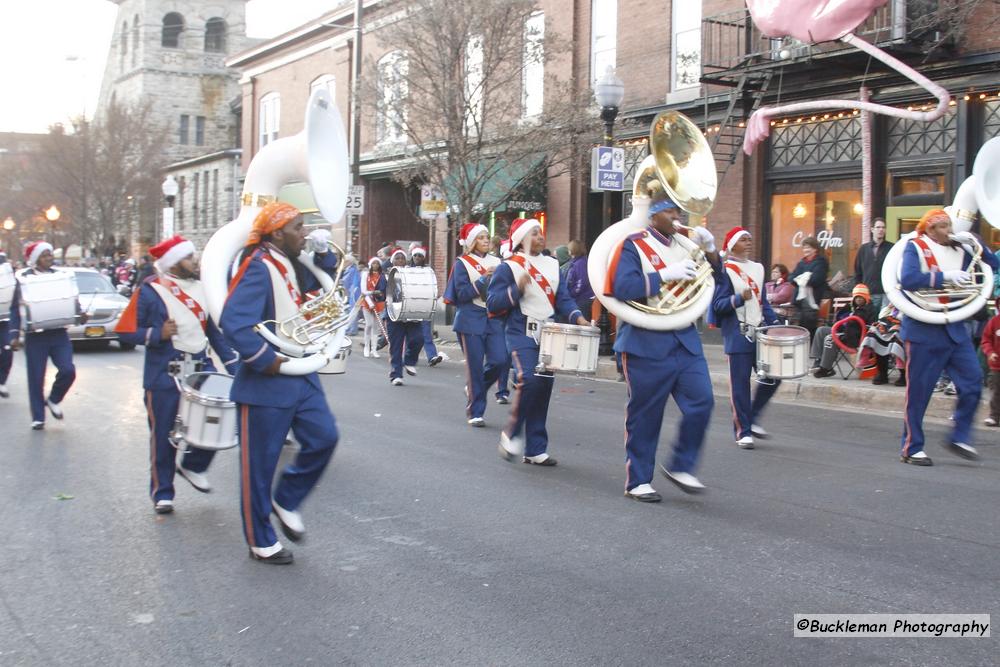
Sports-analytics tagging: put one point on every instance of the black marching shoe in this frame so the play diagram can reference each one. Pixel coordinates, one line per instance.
(435, 360)
(823, 372)
(644, 493)
(961, 449)
(283, 557)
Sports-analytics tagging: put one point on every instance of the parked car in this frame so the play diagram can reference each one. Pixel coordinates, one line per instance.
(103, 305)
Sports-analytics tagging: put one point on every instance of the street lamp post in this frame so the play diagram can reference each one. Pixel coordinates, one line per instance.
(8, 227)
(52, 215)
(609, 91)
(170, 190)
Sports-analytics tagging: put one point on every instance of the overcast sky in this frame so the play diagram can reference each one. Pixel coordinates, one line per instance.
(53, 52)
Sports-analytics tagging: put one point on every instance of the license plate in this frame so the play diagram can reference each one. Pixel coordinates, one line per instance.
(93, 332)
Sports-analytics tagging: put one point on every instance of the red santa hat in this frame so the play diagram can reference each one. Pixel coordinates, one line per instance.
(375, 260)
(505, 249)
(33, 251)
(418, 250)
(397, 251)
(519, 229)
(734, 235)
(168, 253)
(469, 232)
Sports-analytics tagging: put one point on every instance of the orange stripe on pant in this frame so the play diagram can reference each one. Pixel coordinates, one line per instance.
(245, 475)
(152, 443)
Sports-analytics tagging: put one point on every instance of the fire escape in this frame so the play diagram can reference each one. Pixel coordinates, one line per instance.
(737, 57)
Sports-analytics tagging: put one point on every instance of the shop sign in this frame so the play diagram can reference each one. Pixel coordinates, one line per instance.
(825, 238)
(524, 205)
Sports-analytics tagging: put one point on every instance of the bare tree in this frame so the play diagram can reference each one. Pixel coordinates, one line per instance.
(944, 23)
(460, 95)
(107, 175)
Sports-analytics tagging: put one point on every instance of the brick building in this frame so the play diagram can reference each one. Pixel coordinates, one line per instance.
(707, 60)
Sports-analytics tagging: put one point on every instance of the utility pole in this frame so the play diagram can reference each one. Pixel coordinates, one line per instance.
(353, 220)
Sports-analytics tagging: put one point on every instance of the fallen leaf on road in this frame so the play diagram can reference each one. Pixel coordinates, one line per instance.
(62, 496)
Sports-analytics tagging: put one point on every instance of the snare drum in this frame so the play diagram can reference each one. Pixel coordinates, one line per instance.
(782, 352)
(7, 286)
(206, 418)
(338, 365)
(567, 348)
(48, 300)
(411, 293)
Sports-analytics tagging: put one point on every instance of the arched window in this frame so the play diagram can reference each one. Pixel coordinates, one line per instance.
(123, 42)
(269, 119)
(135, 39)
(173, 25)
(215, 35)
(327, 82)
(393, 87)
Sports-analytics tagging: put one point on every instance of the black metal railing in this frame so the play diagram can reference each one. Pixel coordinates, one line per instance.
(730, 41)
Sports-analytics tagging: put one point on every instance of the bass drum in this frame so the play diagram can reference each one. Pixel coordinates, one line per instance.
(411, 293)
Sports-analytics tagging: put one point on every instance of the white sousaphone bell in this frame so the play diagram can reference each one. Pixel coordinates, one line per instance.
(954, 303)
(680, 166)
(317, 155)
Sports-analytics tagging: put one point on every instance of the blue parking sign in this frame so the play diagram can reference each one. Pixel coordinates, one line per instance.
(607, 168)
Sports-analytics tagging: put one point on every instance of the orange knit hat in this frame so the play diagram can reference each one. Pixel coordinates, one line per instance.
(930, 216)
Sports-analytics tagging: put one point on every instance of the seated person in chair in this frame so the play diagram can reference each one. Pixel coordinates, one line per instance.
(823, 350)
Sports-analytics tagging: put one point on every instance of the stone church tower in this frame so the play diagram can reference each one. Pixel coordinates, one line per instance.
(172, 53)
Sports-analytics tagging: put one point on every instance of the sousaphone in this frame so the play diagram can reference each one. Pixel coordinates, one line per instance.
(680, 167)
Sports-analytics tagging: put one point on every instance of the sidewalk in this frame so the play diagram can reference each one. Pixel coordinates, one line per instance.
(832, 391)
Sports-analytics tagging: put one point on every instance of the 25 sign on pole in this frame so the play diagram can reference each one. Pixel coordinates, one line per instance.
(356, 200)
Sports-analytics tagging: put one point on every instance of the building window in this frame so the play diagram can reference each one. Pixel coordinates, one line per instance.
(199, 131)
(474, 85)
(815, 143)
(326, 82)
(182, 132)
(533, 70)
(173, 25)
(270, 118)
(205, 193)
(215, 35)
(123, 43)
(603, 37)
(179, 213)
(686, 45)
(828, 210)
(910, 138)
(215, 199)
(391, 98)
(135, 39)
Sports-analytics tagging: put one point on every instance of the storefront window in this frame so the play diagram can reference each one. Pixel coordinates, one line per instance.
(903, 186)
(831, 212)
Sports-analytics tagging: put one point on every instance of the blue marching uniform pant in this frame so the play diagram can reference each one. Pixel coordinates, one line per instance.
(479, 376)
(745, 411)
(403, 334)
(430, 349)
(531, 402)
(924, 363)
(650, 382)
(262, 431)
(6, 354)
(161, 413)
(39, 347)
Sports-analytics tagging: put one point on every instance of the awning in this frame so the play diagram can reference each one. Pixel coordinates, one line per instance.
(299, 195)
(509, 186)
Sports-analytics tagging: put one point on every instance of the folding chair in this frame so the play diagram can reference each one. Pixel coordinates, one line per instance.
(846, 355)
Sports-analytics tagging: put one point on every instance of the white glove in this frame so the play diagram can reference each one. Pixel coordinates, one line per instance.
(704, 238)
(683, 270)
(967, 239)
(317, 241)
(957, 276)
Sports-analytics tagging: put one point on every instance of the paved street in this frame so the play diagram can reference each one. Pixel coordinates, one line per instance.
(425, 548)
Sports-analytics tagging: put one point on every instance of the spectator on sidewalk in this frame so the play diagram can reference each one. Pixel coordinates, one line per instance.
(882, 343)
(779, 292)
(869, 260)
(577, 280)
(823, 348)
(991, 350)
(810, 276)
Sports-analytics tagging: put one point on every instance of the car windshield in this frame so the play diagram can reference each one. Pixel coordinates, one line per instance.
(90, 283)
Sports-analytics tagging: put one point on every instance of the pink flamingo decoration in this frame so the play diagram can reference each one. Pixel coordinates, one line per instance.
(813, 21)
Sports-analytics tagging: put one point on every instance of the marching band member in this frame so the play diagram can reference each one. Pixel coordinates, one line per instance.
(930, 260)
(8, 284)
(526, 288)
(40, 346)
(658, 364)
(481, 336)
(269, 286)
(740, 307)
(167, 315)
(418, 259)
(373, 304)
(402, 335)
(503, 389)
